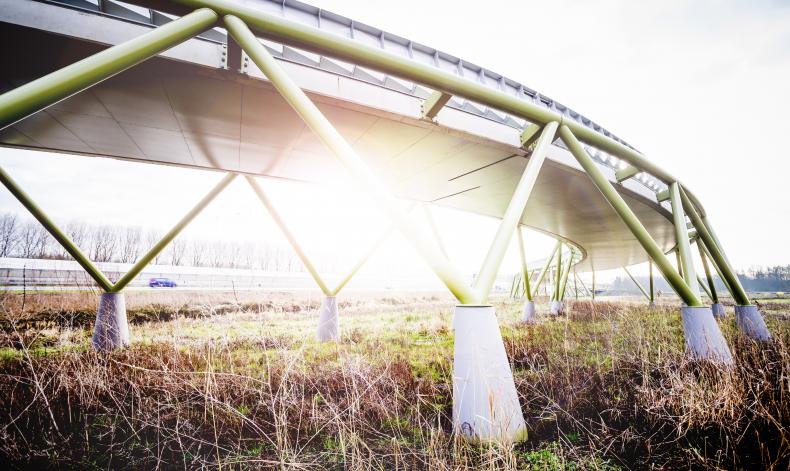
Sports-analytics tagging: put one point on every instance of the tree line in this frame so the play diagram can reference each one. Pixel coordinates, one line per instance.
(25, 238)
(776, 278)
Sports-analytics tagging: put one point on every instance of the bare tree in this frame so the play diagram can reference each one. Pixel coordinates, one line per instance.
(130, 244)
(233, 254)
(248, 254)
(104, 243)
(198, 250)
(151, 238)
(79, 233)
(216, 254)
(9, 233)
(32, 240)
(177, 251)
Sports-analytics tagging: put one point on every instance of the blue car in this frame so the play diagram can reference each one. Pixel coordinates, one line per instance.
(161, 283)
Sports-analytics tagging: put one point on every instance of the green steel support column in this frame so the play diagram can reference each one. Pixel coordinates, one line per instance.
(711, 285)
(689, 273)
(172, 234)
(709, 227)
(524, 269)
(629, 218)
(365, 257)
(545, 269)
(717, 255)
(637, 283)
(652, 281)
(715, 267)
(593, 285)
(584, 287)
(679, 263)
(704, 288)
(335, 142)
(41, 93)
(565, 273)
(575, 284)
(515, 209)
(56, 233)
(557, 275)
(514, 285)
(267, 203)
(362, 260)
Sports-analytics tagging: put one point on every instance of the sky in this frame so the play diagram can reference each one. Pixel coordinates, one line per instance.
(701, 87)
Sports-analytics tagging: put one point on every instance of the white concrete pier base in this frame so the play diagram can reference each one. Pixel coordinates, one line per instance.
(328, 320)
(703, 336)
(651, 305)
(111, 329)
(485, 402)
(555, 308)
(528, 313)
(718, 310)
(751, 323)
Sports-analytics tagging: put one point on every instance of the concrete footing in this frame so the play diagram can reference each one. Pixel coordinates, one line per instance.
(651, 305)
(328, 320)
(485, 402)
(751, 323)
(555, 308)
(703, 336)
(718, 310)
(111, 329)
(528, 313)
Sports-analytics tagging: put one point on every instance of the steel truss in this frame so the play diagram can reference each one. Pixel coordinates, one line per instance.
(244, 22)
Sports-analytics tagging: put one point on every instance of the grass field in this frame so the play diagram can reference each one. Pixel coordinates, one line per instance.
(227, 380)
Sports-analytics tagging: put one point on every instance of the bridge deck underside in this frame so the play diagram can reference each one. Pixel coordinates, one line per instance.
(178, 113)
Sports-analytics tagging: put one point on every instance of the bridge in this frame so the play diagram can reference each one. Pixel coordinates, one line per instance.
(281, 89)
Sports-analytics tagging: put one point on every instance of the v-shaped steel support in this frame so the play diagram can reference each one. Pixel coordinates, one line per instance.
(294, 243)
(89, 267)
(629, 218)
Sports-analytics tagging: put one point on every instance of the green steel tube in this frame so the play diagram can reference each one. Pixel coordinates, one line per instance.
(714, 296)
(652, 281)
(721, 277)
(584, 287)
(716, 254)
(545, 269)
(704, 288)
(335, 142)
(365, 257)
(679, 262)
(172, 234)
(362, 260)
(53, 229)
(575, 284)
(513, 213)
(629, 218)
(524, 269)
(709, 227)
(637, 283)
(267, 203)
(557, 276)
(688, 272)
(34, 96)
(593, 285)
(565, 273)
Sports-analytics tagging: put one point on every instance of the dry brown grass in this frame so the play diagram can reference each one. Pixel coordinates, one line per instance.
(607, 387)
